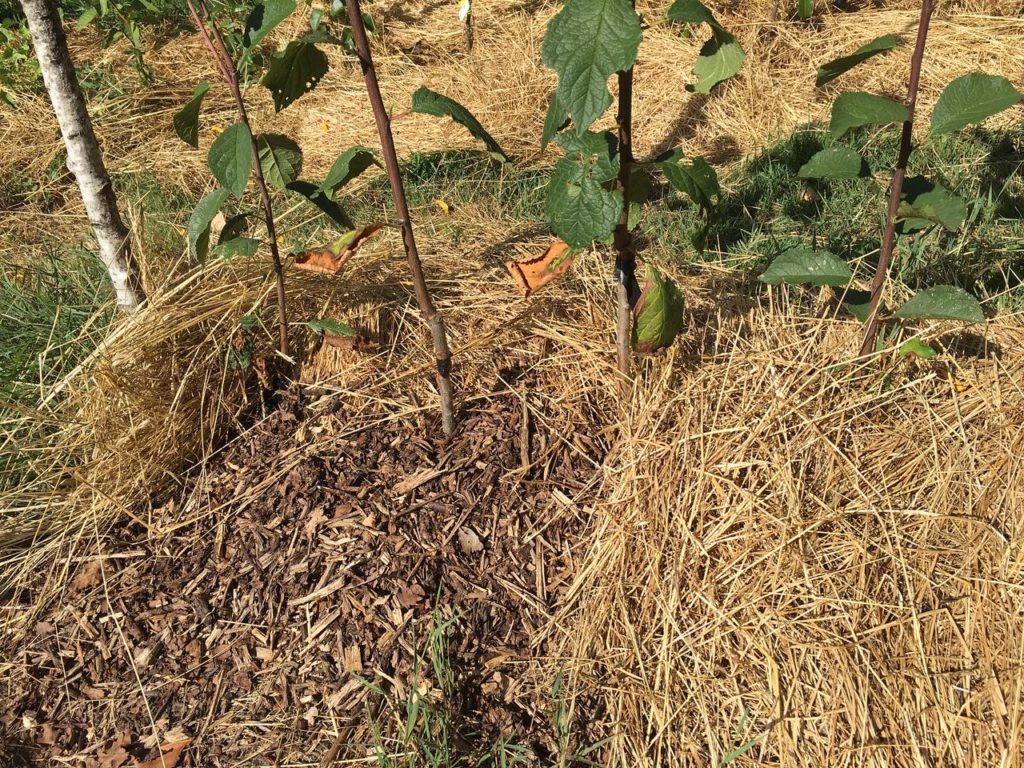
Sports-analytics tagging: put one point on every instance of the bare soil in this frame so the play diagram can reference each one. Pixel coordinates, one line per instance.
(301, 604)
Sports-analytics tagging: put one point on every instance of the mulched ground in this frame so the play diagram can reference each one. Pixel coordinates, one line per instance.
(340, 578)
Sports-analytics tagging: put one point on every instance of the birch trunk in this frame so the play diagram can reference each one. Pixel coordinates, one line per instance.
(84, 159)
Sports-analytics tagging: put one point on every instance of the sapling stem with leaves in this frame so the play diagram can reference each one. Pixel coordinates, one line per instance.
(896, 187)
(626, 291)
(210, 33)
(430, 314)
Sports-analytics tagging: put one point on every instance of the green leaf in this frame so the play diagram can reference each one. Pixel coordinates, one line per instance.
(86, 18)
(639, 193)
(690, 12)
(318, 197)
(280, 159)
(852, 109)
(720, 58)
(922, 201)
(263, 18)
(806, 266)
(831, 70)
(293, 71)
(233, 228)
(942, 302)
(236, 246)
(858, 303)
(230, 158)
(579, 207)
(835, 163)
(698, 181)
(186, 120)
(428, 102)
(199, 222)
(659, 313)
(333, 327)
(585, 43)
(971, 99)
(555, 120)
(350, 163)
(805, 9)
(917, 347)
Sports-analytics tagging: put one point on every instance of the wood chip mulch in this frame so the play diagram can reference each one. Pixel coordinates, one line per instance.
(339, 577)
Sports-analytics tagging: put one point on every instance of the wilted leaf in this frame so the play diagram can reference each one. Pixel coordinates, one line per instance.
(199, 222)
(835, 163)
(586, 43)
(806, 266)
(533, 274)
(579, 207)
(853, 109)
(264, 17)
(294, 71)
(942, 302)
(411, 595)
(658, 313)
(330, 260)
(280, 159)
(326, 325)
(831, 70)
(89, 574)
(350, 163)
(186, 120)
(170, 755)
(971, 99)
(923, 202)
(230, 158)
(428, 102)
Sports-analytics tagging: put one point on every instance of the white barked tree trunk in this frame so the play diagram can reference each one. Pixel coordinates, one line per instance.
(84, 159)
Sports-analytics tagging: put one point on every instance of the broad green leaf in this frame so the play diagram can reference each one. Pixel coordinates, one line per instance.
(186, 120)
(858, 303)
(831, 70)
(639, 193)
(585, 43)
(942, 302)
(698, 181)
(263, 18)
(922, 201)
(199, 222)
(852, 109)
(318, 197)
(334, 327)
(690, 12)
(280, 159)
(293, 71)
(971, 99)
(801, 266)
(805, 9)
(236, 246)
(86, 18)
(233, 228)
(428, 102)
(579, 207)
(230, 158)
(917, 347)
(659, 313)
(719, 59)
(555, 120)
(350, 163)
(835, 163)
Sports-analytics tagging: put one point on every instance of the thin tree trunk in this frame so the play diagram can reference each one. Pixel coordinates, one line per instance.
(433, 318)
(84, 159)
(889, 237)
(625, 256)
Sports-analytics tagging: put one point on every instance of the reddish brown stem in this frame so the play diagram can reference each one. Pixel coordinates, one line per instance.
(387, 142)
(895, 190)
(625, 255)
(221, 57)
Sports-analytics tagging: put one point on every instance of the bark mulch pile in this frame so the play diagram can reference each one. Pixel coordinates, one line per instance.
(342, 576)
